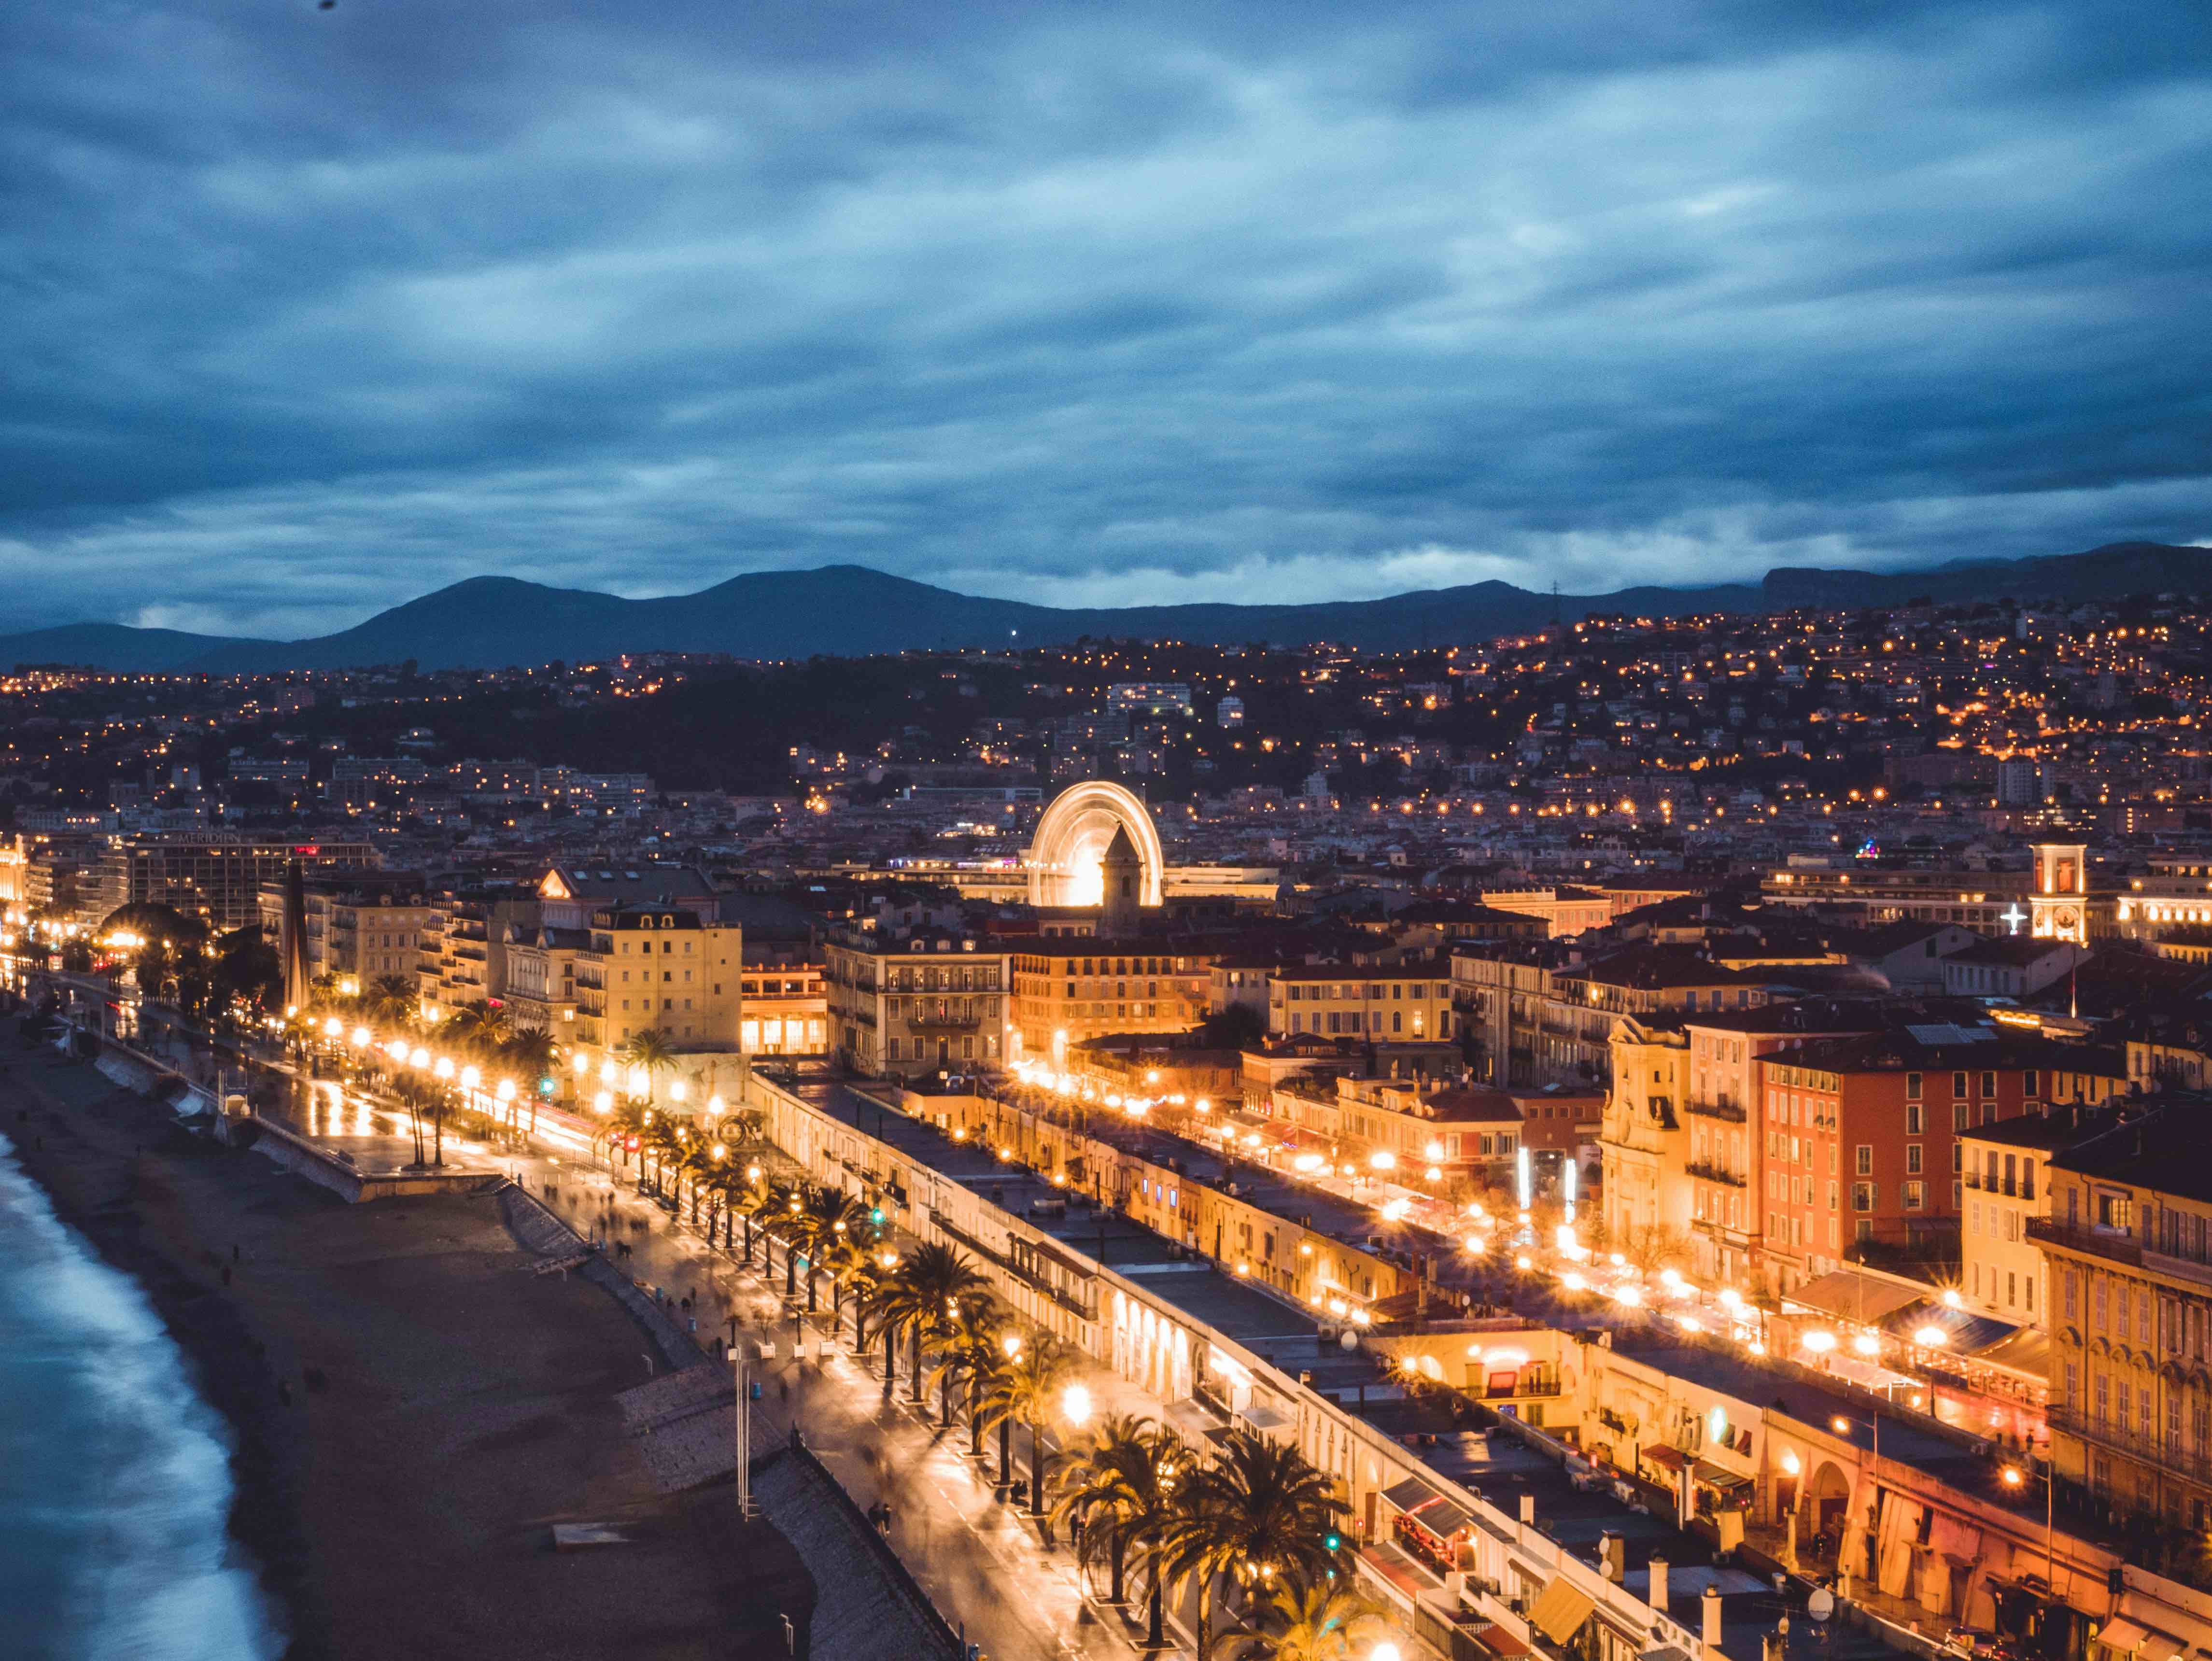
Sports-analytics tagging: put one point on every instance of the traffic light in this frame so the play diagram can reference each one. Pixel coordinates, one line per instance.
(1333, 1541)
(876, 1215)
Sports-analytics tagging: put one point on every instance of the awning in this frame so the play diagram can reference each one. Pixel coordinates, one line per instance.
(1714, 1476)
(2025, 1350)
(2123, 1635)
(1560, 1610)
(1665, 1458)
(1845, 1295)
(1411, 1494)
(1417, 1499)
(1963, 1334)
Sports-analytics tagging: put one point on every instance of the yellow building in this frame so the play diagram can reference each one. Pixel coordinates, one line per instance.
(2128, 1245)
(1068, 988)
(1642, 1145)
(657, 968)
(1378, 1002)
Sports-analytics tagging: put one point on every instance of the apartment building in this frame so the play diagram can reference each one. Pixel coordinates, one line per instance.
(1066, 990)
(1376, 1002)
(217, 877)
(1563, 910)
(903, 1003)
(650, 968)
(2128, 1247)
(1544, 1014)
(1726, 1157)
(361, 926)
(455, 966)
(1862, 1138)
(2002, 1270)
(540, 988)
(1988, 901)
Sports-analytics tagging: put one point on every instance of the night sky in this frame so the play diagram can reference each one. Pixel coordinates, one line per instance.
(305, 312)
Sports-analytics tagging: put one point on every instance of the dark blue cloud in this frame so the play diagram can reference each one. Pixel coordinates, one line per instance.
(302, 312)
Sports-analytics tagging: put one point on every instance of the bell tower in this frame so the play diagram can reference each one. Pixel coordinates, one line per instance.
(2059, 908)
(1121, 887)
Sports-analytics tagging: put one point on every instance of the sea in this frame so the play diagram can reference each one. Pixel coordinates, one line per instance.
(114, 1473)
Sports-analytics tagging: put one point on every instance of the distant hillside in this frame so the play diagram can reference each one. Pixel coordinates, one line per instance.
(2118, 568)
(111, 646)
(851, 611)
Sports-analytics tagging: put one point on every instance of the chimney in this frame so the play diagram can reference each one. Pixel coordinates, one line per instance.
(1656, 1595)
(1527, 1507)
(1711, 1605)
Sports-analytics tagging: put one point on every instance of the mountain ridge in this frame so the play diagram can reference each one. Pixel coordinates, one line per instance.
(495, 621)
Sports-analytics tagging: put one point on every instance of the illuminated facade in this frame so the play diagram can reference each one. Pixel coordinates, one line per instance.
(2059, 908)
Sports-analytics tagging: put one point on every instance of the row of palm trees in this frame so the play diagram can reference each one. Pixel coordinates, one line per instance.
(1249, 1525)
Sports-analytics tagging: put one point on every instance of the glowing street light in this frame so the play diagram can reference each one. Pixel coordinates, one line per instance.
(1075, 1404)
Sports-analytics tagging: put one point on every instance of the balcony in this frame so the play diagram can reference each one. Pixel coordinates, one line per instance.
(2119, 1248)
(2173, 1455)
(1706, 1172)
(1727, 1110)
(943, 1021)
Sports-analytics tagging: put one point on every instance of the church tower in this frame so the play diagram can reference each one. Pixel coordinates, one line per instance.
(1121, 886)
(2060, 904)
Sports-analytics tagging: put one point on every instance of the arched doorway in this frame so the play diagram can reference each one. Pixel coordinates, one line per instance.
(1827, 1498)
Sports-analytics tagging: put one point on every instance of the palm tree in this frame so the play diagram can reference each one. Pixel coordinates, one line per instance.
(1116, 1490)
(1315, 1622)
(780, 1210)
(530, 1053)
(827, 1216)
(921, 1293)
(480, 1028)
(392, 1000)
(1257, 1513)
(1029, 1391)
(970, 1356)
(651, 1052)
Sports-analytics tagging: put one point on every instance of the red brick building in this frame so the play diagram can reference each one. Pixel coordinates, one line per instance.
(1860, 1136)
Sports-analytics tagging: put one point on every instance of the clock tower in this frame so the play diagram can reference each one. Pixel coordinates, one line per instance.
(2059, 908)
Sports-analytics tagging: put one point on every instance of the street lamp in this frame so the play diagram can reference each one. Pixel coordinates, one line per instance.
(2015, 1479)
(1075, 1404)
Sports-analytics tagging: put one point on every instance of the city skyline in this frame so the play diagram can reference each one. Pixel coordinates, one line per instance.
(322, 308)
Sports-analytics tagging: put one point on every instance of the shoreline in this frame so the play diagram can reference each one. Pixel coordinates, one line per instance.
(228, 1367)
(409, 1408)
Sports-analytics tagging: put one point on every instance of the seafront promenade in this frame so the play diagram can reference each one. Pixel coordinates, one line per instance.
(971, 1548)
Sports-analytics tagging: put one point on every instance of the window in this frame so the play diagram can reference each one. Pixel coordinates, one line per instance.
(1912, 1086)
(1865, 1166)
(1989, 1083)
(1915, 1119)
(2028, 1081)
(2067, 1291)
(1958, 1084)
(1912, 1158)
(1914, 1196)
(1862, 1196)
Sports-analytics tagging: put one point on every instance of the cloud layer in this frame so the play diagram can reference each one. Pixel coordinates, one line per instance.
(305, 312)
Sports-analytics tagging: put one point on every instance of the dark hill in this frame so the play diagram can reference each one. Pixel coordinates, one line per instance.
(852, 611)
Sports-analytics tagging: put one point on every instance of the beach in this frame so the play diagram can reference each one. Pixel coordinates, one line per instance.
(411, 1408)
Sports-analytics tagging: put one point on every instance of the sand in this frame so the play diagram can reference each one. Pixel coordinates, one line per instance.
(413, 1409)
